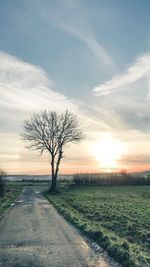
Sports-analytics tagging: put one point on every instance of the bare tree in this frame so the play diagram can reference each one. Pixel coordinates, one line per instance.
(51, 131)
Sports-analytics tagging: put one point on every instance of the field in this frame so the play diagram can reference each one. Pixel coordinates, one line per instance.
(117, 218)
(11, 193)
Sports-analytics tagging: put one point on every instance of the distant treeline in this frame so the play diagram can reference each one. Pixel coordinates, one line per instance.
(110, 179)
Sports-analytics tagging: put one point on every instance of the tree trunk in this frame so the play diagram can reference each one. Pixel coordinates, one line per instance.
(55, 172)
(53, 182)
(58, 163)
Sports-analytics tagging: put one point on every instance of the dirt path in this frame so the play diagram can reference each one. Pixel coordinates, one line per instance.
(33, 234)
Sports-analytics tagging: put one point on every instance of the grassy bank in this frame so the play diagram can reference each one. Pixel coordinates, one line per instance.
(117, 218)
(10, 194)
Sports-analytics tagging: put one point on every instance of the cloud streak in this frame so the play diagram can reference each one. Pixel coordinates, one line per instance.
(71, 18)
(87, 37)
(139, 69)
(26, 87)
(78, 26)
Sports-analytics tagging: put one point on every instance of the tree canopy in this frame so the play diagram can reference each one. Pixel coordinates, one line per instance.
(51, 131)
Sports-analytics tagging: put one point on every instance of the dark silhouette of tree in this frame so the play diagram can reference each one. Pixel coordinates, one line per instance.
(51, 131)
(2, 182)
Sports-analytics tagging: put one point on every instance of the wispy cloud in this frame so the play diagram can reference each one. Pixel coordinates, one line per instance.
(77, 24)
(139, 69)
(86, 36)
(25, 87)
(72, 18)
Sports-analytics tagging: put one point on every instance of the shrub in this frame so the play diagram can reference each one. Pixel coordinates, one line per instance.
(2, 182)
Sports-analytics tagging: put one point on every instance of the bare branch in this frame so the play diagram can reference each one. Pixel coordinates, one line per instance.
(51, 131)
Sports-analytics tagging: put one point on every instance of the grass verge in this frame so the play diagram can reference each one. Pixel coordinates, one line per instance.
(11, 193)
(117, 218)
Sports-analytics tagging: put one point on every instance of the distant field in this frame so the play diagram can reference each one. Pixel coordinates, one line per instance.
(34, 178)
(118, 218)
(27, 183)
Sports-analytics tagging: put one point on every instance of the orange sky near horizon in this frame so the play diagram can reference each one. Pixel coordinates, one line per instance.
(40, 165)
(103, 153)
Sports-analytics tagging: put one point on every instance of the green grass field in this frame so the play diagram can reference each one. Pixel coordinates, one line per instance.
(11, 193)
(117, 218)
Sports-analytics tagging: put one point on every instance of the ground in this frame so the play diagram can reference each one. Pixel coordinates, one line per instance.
(116, 217)
(34, 234)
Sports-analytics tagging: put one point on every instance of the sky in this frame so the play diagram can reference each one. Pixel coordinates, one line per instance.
(91, 57)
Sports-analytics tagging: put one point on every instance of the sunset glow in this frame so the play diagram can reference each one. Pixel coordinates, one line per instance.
(108, 151)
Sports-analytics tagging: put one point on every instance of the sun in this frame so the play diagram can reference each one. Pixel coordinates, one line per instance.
(108, 151)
